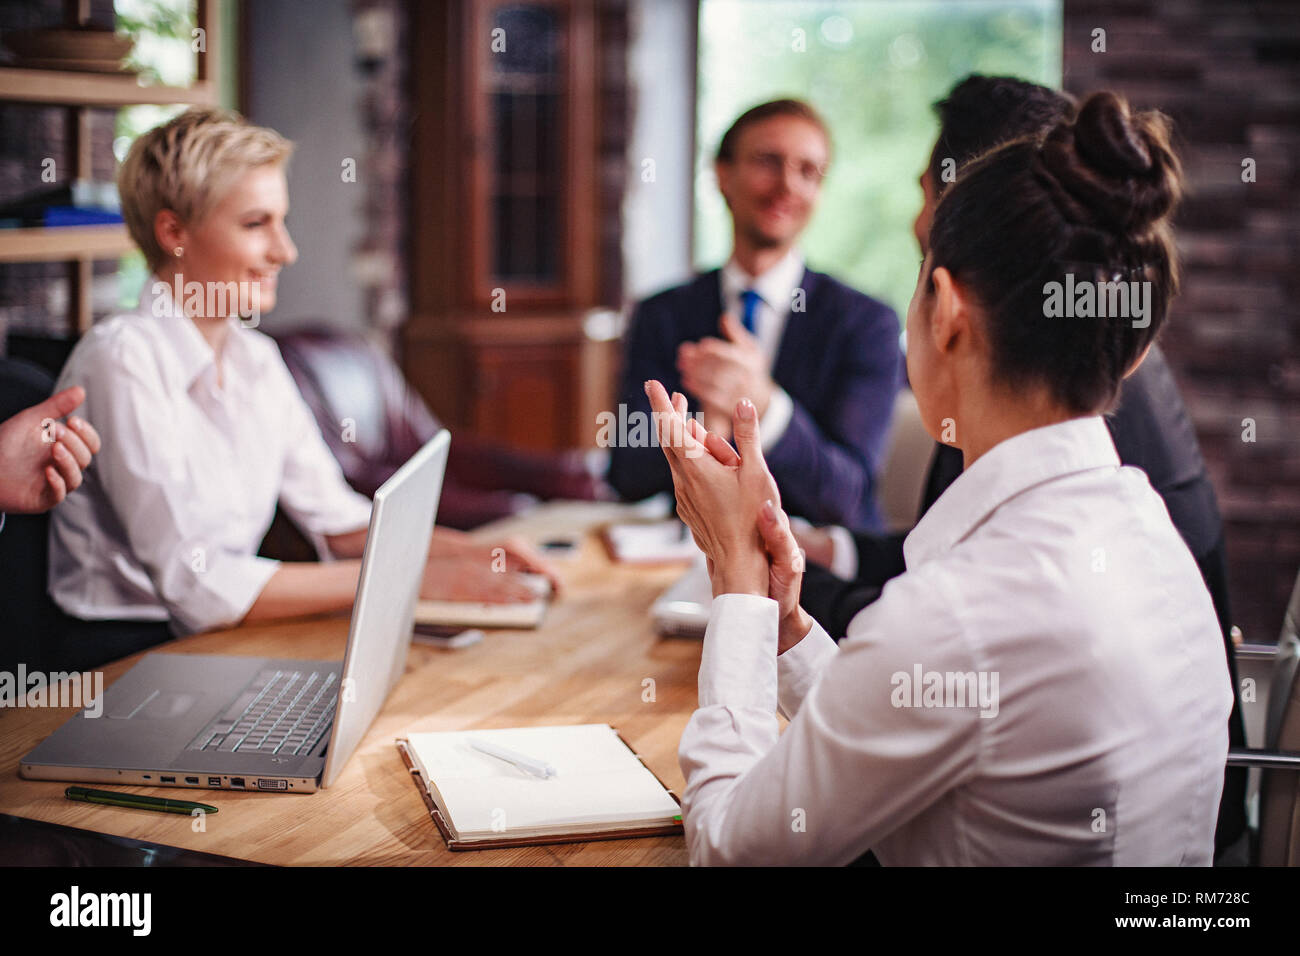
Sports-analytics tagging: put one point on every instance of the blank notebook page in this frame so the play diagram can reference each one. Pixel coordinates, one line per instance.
(599, 783)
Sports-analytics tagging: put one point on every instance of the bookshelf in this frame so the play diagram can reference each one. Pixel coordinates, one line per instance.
(79, 93)
(64, 244)
(66, 88)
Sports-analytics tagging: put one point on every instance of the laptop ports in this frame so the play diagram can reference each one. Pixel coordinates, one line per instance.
(237, 782)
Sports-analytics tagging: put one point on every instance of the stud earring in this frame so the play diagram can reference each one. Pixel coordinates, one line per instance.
(177, 252)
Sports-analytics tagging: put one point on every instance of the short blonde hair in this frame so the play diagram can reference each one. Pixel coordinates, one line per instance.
(186, 165)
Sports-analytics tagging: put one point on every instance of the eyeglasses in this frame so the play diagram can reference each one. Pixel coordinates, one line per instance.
(772, 165)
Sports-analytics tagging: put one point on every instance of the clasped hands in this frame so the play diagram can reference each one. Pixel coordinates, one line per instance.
(720, 372)
(730, 502)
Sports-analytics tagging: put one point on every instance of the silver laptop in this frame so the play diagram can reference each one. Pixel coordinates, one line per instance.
(253, 723)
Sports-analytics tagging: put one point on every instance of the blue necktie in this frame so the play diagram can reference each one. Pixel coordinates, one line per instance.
(749, 302)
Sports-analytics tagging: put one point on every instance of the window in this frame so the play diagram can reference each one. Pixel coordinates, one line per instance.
(162, 54)
(872, 69)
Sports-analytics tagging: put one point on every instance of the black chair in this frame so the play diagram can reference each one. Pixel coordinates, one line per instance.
(1279, 759)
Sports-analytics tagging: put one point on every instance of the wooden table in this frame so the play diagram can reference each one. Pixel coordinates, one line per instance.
(595, 659)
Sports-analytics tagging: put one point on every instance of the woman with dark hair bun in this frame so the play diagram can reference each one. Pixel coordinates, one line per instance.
(1046, 683)
(1084, 211)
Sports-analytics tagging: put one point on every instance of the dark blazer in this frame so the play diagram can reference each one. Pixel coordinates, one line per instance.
(838, 360)
(1152, 431)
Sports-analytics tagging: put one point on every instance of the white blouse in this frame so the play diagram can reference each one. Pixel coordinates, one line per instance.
(1045, 685)
(175, 505)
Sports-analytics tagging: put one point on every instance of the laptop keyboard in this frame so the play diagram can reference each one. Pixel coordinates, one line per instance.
(279, 712)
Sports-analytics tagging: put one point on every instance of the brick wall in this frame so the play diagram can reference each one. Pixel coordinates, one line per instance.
(1228, 73)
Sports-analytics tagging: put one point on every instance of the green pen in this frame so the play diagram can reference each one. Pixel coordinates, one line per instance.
(135, 801)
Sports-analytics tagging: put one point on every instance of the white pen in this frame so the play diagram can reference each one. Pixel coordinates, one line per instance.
(525, 763)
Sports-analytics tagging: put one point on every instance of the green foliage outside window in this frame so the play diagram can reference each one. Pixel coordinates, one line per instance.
(162, 55)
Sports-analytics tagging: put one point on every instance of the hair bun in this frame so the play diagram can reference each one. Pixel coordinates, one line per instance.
(1105, 137)
(1116, 169)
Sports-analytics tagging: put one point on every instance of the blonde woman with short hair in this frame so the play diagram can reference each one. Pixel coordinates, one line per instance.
(203, 429)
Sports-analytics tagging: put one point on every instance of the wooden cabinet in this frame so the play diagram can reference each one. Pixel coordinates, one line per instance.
(506, 212)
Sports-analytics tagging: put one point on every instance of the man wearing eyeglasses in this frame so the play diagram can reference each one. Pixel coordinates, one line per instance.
(820, 360)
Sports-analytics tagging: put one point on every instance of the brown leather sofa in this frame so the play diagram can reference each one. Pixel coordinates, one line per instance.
(373, 421)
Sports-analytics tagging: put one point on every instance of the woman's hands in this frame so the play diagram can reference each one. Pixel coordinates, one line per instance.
(818, 545)
(462, 569)
(719, 490)
(728, 499)
(785, 575)
(472, 580)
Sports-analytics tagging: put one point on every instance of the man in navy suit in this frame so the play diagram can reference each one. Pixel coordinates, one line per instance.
(820, 361)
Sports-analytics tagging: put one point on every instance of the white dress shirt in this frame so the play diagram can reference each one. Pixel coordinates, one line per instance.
(175, 505)
(1056, 577)
(775, 288)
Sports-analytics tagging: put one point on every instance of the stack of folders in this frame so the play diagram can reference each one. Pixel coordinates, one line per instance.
(532, 785)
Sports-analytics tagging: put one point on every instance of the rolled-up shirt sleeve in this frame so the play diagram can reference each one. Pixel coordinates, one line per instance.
(145, 477)
(855, 763)
(313, 490)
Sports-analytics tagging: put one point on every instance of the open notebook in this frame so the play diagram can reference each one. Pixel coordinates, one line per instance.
(601, 790)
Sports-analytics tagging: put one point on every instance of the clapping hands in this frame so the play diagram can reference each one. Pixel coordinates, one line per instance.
(728, 499)
(722, 371)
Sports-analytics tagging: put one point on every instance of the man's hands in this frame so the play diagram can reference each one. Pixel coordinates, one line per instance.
(722, 372)
(42, 457)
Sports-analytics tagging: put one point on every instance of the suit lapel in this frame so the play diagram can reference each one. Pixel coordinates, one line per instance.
(798, 338)
(711, 305)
